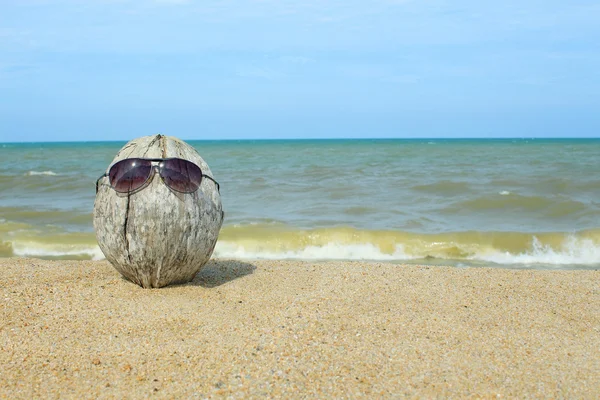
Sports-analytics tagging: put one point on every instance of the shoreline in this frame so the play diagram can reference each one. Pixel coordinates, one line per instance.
(75, 329)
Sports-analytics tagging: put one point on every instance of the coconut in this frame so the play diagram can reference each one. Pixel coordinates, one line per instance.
(156, 236)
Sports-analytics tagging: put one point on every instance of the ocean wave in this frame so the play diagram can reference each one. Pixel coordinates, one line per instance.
(37, 173)
(503, 248)
(360, 210)
(572, 251)
(277, 241)
(53, 250)
(443, 188)
(44, 217)
(20, 239)
(507, 202)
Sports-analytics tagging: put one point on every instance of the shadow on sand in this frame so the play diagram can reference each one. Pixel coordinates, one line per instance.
(218, 272)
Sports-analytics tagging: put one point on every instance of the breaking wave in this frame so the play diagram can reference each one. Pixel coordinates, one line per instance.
(273, 241)
(503, 248)
(57, 251)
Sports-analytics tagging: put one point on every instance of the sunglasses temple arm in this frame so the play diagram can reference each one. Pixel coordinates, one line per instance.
(98, 180)
(216, 183)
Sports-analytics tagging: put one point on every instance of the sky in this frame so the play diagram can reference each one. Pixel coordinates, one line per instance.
(230, 69)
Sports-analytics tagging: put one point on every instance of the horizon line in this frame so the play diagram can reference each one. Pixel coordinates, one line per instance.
(317, 139)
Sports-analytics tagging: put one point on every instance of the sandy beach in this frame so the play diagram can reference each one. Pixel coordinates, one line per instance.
(292, 329)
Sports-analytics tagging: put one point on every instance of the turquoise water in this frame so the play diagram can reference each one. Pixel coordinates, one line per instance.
(521, 203)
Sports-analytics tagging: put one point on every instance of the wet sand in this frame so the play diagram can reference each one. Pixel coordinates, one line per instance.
(292, 329)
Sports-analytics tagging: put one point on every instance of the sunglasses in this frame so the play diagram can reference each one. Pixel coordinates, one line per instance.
(131, 174)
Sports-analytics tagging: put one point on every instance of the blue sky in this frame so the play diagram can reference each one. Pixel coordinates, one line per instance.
(118, 69)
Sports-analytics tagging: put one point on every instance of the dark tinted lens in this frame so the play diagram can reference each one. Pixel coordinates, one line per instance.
(129, 174)
(181, 175)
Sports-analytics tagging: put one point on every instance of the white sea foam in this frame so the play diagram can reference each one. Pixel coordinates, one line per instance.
(574, 251)
(330, 251)
(29, 249)
(36, 173)
(504, 193)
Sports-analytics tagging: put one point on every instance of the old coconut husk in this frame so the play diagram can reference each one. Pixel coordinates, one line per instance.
(156, 236)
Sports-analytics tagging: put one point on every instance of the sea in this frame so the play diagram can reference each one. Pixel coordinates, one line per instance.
(510, 203)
